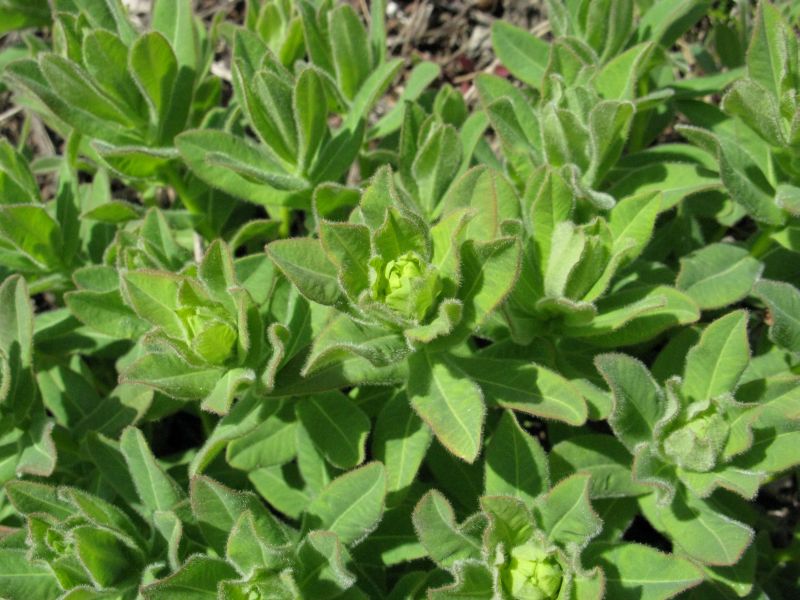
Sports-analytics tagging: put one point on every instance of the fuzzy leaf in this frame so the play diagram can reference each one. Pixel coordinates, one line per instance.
(516, 464)
(156, 489)
(197, 579)
(566, 515)
(718, 275)
(452, 406)
(638, 400)
(305, 265)
(351, 505)
(714, 365)
(637, 571)
(337, 426)
(783, 301)
(21, 578)
(522, 53)
(400, 440)
(438, 531)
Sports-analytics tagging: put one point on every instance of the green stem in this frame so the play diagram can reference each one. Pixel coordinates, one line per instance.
(182, 191)
(762, 243)
(285, 219)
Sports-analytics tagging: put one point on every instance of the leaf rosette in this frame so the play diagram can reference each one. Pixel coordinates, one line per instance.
(692, 435)
(207, 339)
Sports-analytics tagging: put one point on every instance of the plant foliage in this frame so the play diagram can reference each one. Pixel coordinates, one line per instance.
(316, 326)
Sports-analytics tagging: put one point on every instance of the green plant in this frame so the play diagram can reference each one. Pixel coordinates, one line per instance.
(286, 316)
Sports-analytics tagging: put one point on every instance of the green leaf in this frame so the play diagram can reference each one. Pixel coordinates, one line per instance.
(197, 579)
(304, 263)
(154, 297)
(311, 115)
(29, 497)
(743, 178)
(525, 387)
(175, 20)
(400, 441)
(675, 181)
(157, 490)
(603, 457)
(516, 465)
(269, 443)
(740, 481)
(665, 22)
(17, 182)
(699, 530)
(718, 275)
(171, 374)
(783, 301)
(21, 578)
(618, 78)
(350, 49)
(351, 505)
(108, 14)
(217, 508)
(110, 463)
(715, 363)
(217, 272)
(38, 453)
(199, 146)
(636, 571)
(16, 321)
(772, 50)
(474, 581)
(638, 400)
(23, 15)
(632, 221)
(609, 125)
(106, 58)
(106, 556)
(243, 418)
(420, 77)
(267, 100)
(26, 75)
(168, 89)
(452, 406)
(170, 527)
(434, 521)
(492, 198)
(73, 86)
(336, 426)
(320, 567)
(635, 314)
(102, 513)
(566, 515)
(219, 400)
(369, 93)
(250, 547)
(754, 105)
(436, 164)
(34, 235)
(524, 55)
(106, 313)
(348, 247)
(489, 271)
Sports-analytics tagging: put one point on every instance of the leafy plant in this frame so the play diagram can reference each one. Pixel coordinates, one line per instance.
(284, 315)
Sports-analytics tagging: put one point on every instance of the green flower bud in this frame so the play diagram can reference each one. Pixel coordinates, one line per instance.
(213, 339)
(407, 285)
(253, 594)
(58, 543)
(531, 573)
(697, 445)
